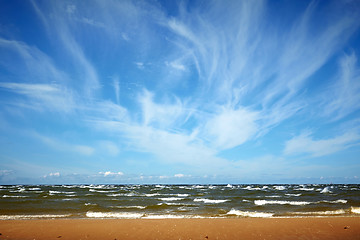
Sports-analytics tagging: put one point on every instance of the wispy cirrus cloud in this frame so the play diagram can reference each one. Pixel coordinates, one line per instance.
(343, 97)
(306, 144)
(204, 79)
(64, 146)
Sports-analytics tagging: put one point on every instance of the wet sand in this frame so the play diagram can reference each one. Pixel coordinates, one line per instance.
(167, 229)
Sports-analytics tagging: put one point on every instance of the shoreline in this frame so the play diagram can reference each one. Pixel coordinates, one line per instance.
(190, 228)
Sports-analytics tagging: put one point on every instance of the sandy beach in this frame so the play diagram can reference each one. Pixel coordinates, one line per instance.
(243, 228)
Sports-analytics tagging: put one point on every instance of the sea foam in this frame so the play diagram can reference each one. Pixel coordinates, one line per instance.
(205, 200)
(249, 214)
(113, 215)
(273, 202)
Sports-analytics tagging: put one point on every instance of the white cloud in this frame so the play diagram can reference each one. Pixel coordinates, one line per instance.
(304, 143)
(163, 115)
(231, 128)
(139, 65)
(45, 85)
(176, 65)
(5, 172)
(113, 174)
(42, 96)
(83, 69)
(179, 175)
(248, 78)
(55, 174)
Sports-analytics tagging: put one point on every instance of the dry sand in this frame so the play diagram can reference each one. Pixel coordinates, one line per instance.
(204, 229)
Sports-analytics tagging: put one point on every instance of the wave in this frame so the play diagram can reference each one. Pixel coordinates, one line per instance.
(115, 195)
(205, 200)
(183, 195)
(168, 216)
(152, 194)
(36, 216)
(69, 199)
(295, 203)
(249, 214)
(125, 215)
(319, 213)
(326, 190)
(252, 188)
(279, 188)
(129, 207)
(19, 190)
(171, 199)
(100, 191)
(60, 192)
(336, 201)
(304, 189)
(355, 210)
(275, 202)
(90, 204)
(10, 196)
(293, 194)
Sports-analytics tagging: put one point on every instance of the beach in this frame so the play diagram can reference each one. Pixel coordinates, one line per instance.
(207, 228)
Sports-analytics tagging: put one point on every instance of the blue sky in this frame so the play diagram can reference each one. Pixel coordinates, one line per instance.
(179, 91)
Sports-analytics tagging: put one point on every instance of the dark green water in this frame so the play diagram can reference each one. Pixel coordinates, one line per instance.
(177, 201)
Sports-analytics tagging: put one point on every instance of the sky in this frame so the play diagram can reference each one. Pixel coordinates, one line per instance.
(179, 91)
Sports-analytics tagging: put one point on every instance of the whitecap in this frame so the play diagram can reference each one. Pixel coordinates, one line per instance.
(326, 190)
(293, 194)
(171, 199)
(8, 196)
(205, 200)
(336, 201)
(90, 204)
(305, 189)
(129, 207)
(276, 202)
(279, 188)
(182, 195)
(115, 195)
(251, 188)
(152, 194)
(99, 191)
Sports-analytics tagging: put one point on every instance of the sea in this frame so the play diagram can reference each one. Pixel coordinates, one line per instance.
(178, 201)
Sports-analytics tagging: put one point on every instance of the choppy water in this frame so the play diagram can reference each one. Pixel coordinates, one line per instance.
(177, 201)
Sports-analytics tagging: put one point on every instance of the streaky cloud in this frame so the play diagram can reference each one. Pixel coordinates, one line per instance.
(305, 144)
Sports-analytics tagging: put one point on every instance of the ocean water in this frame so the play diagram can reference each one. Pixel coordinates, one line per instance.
(177, 201)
